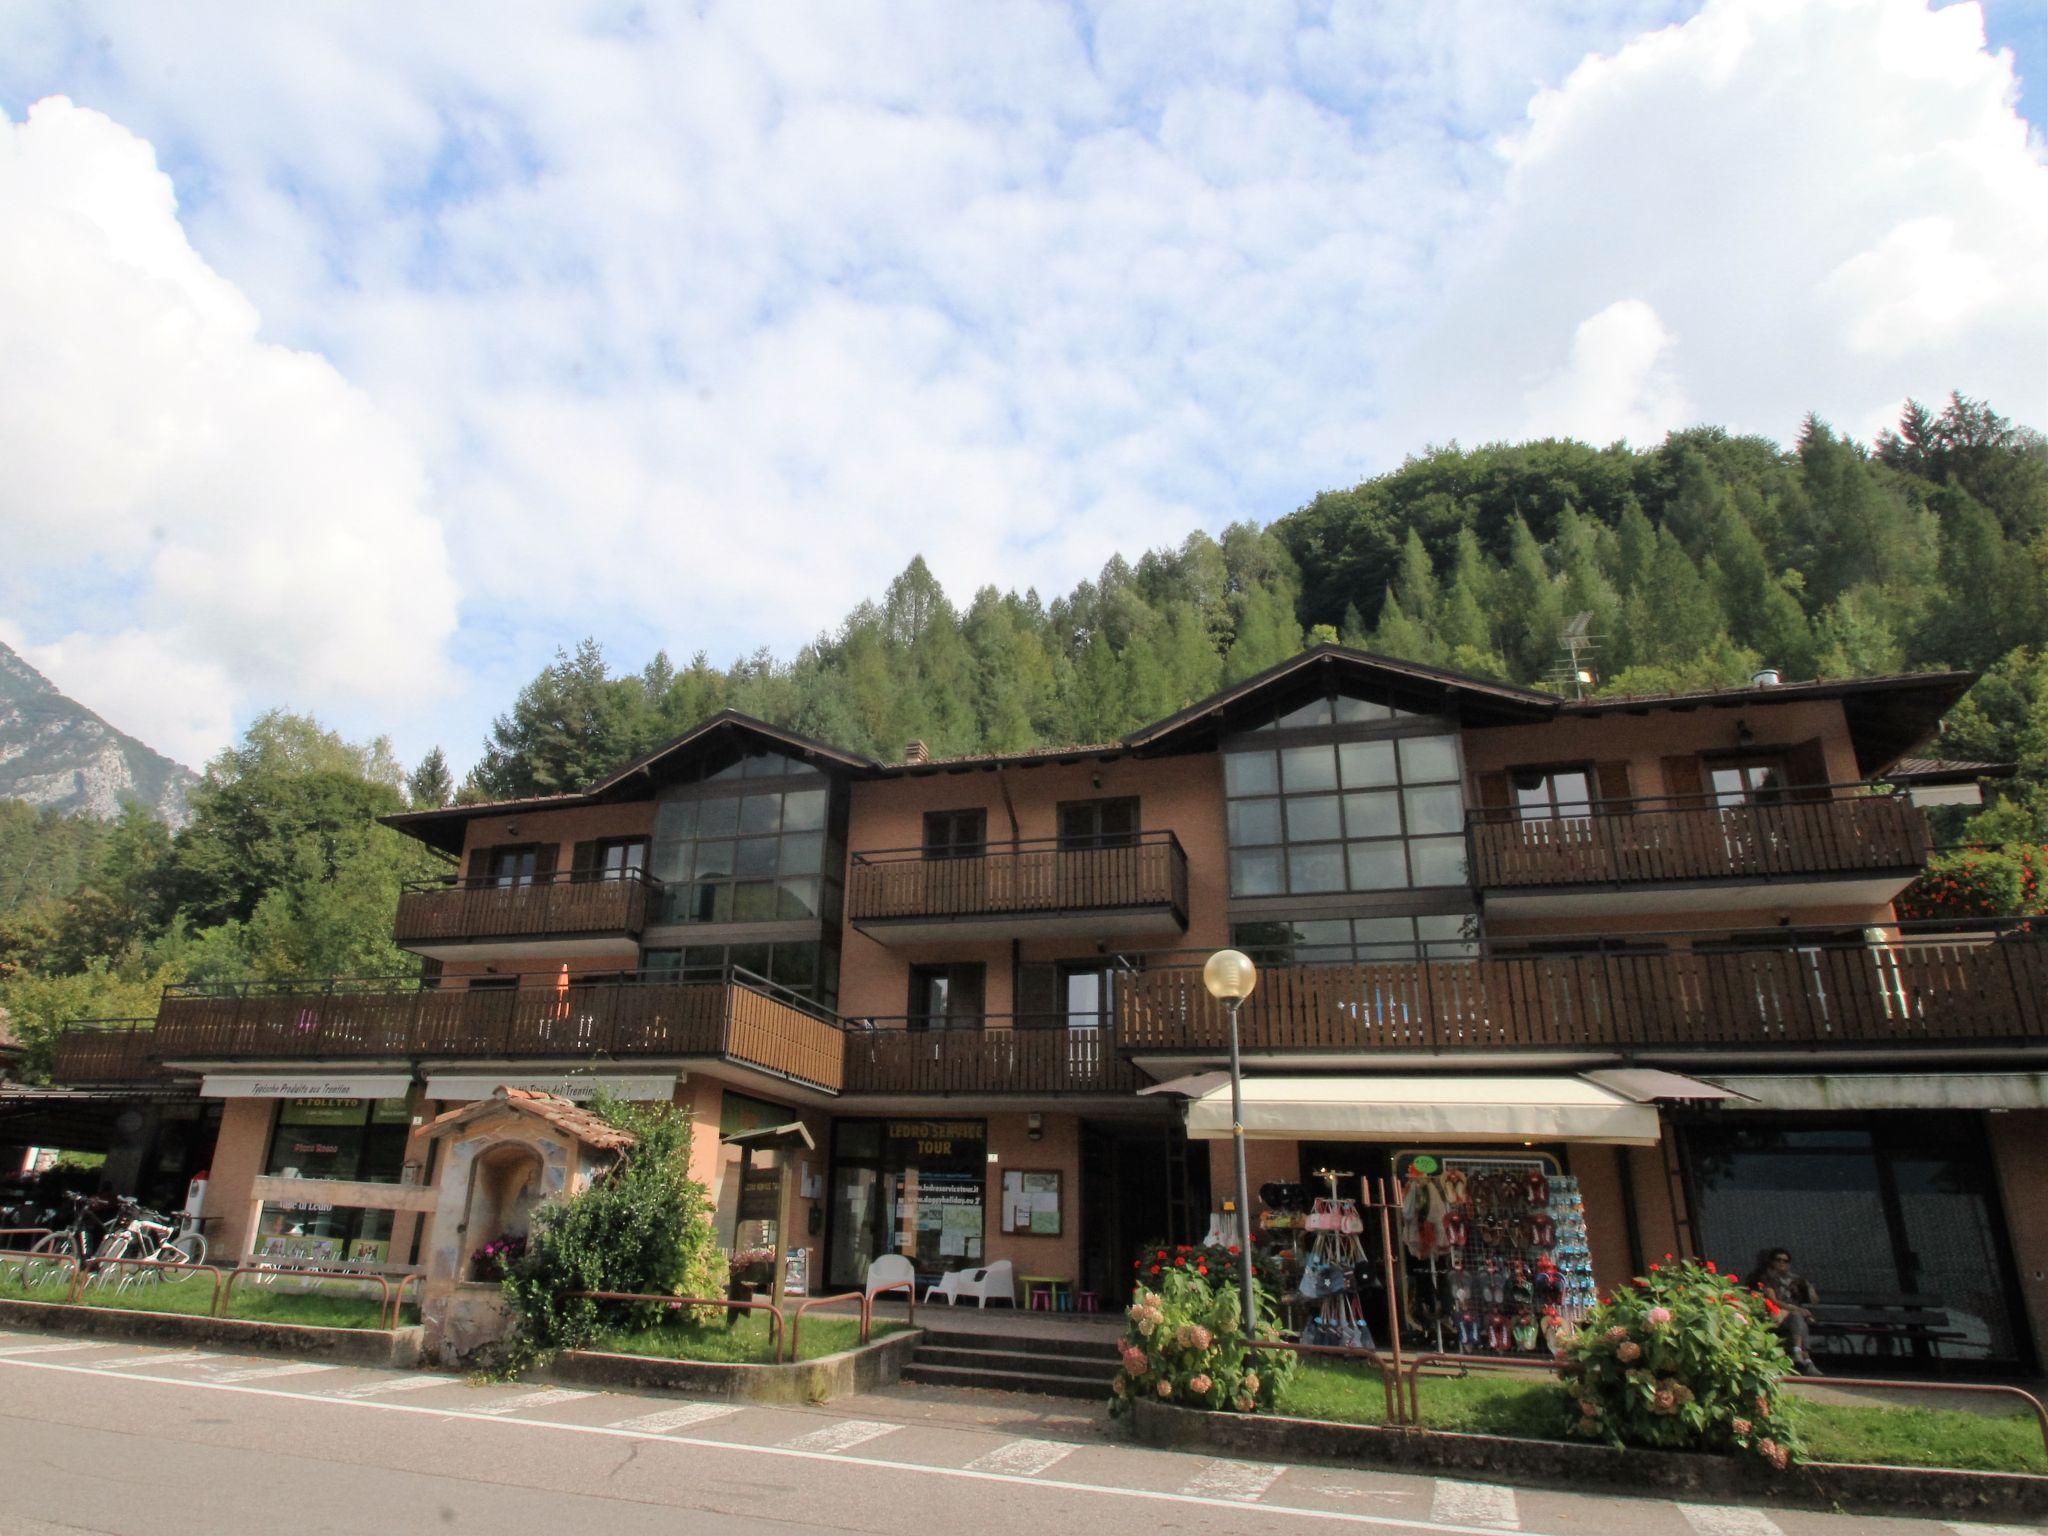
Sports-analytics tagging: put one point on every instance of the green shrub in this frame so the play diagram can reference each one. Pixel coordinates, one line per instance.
(1185, 1343)
(643, 1227)
(1684, 1359)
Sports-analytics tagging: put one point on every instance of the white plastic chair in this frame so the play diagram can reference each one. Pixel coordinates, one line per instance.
(891, 1269)
(998, 1280)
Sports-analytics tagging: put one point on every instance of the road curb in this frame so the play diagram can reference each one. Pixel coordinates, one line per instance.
(399, 1347)
(1575, 1466)
(862, 1369)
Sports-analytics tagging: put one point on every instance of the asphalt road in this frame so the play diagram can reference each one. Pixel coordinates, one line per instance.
(125, 1438)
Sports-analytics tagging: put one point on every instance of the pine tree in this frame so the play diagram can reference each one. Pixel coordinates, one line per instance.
(429, 786)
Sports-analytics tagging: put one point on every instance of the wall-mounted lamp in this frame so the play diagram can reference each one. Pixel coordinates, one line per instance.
(511, 829)
(1095, 778)
(1034, 1126)
(1744, 736)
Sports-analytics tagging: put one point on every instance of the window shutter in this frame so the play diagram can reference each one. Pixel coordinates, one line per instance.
(1611, 781)
(1806, 766)
(1683, 782)
(583, 860)
(1038, 993)
(1495, 798)
(544, 861)
(479, 863)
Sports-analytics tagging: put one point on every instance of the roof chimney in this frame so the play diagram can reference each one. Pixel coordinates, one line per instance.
(917, 752)
(1767, 678)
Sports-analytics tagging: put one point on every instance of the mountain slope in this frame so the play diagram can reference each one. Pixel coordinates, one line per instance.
(55, 752)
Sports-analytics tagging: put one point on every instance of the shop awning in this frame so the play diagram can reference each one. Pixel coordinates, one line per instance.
(1648, 1085)
(1896, 1090)
(1465, 1109)
(793, 1134)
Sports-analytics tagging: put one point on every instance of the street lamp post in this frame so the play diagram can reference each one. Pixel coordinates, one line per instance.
(1230, 977)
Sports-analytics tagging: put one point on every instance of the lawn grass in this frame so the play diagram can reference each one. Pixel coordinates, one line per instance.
(744, 1342)
(1534, 1408)
(323, 1304)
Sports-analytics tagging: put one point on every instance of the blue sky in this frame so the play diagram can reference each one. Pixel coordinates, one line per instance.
(356, 357)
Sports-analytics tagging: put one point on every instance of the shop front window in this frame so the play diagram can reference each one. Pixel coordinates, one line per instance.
(358, 1139)
(1893, 1217)
(914, 1187)
(323, 1234)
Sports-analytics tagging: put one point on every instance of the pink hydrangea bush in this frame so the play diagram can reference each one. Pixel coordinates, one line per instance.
(1184, 1343)
(1685, 1359)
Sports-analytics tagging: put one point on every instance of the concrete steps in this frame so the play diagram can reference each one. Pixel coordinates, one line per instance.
(1054, 1367)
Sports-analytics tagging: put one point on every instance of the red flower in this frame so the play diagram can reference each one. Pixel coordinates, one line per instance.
(1772, 1307)
(1201, 1269)
(1155, 1269)
(1710, 1268)
(1233, 1250)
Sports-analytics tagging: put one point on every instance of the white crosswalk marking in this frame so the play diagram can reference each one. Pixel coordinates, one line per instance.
(1022, 1458)
(1242, 1480)
(393, 1384)
(1456, 1503)
(526, 1400)
(50, 1349)
(676, 1418)
(842, 1436)
(267, 1372)
(167, 1357)
(1728, 1520)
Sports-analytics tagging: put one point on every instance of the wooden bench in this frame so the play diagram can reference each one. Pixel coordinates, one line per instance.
(1884, 1324)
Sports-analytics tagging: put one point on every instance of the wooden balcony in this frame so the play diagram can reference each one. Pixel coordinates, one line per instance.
(1855, 848)
(901, 895)
(1914, 993)
(577, 914)
(997, 1054)
(106, 1051)
(743, 1020)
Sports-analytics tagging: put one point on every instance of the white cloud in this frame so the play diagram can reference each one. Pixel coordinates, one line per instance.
(699, 326)
(209, 521)
(1617, 385)
(1832, 205)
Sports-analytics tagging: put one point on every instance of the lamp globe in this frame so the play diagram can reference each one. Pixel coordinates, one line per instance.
(1230, 975)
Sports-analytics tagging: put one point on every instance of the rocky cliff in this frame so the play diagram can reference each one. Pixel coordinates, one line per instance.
(56, 752)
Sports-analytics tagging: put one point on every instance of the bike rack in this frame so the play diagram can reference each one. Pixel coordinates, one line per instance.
(677, 1303)
(223, 1299)
(796, 1323)
(96, 1267)
(398, 1295)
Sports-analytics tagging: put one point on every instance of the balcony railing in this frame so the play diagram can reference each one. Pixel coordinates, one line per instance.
(1034, 877)
(1916, 991)
(1623, 842)
(552, 906)
(742, 1018)
(105, 1051)
(999, 1053)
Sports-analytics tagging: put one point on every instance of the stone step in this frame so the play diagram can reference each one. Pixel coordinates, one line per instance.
(1005, 1381)
(1016, 1361)
(1103, 1348)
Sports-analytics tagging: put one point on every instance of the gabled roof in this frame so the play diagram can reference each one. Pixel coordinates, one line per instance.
(565, 1115)
(1887, 716)
(1477, 700)
(443, 828)
(1947, 770)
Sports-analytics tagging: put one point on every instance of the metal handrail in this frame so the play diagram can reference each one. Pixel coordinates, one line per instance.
(797, 1322)
(398, 1294)
(1983, 1388)
(1156, 837)
(677, 1303)
(1597, 804)
(453, 882)
(224, 1299)
(917, 1023)
(909, 1290)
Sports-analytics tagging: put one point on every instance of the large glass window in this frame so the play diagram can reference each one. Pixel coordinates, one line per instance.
(360, 1139)
(1545, 794)
(1361, 940)
(1325, 816)
(323, 1234)
(748, 851)
(802, 965)
(915, 1187)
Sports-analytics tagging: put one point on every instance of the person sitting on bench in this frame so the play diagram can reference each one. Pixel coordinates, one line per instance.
(1793, 1295)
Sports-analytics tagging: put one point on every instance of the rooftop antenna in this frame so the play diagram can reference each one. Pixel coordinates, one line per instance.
(1573, 672)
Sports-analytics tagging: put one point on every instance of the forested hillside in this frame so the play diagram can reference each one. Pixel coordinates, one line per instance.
(1698, 561)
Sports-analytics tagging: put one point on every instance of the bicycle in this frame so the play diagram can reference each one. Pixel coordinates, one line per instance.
(69, 1249)
(153, 1238)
